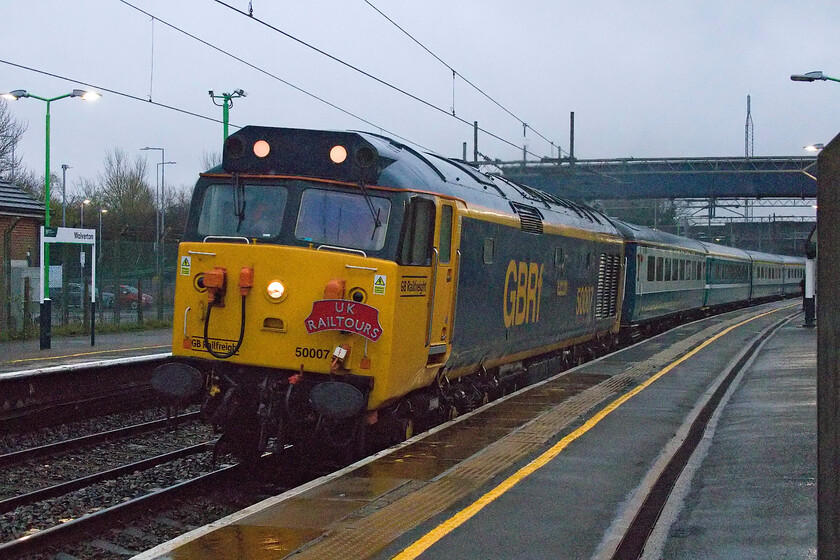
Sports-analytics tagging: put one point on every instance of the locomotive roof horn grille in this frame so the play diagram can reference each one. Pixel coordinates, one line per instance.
(530, 218)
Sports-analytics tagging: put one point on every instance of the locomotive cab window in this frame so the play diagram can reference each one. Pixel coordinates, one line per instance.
(559, 258)
(343, 219)
(445, 248)
(258, 214)
(417, 233)
(489, 250)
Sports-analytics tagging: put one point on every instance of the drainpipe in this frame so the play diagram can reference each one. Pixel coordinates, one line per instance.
(7, 274)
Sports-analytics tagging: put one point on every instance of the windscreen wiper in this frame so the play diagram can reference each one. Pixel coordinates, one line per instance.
(373, 210)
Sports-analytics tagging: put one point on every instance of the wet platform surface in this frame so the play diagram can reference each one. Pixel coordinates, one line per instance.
(576, 504)
(26, 355)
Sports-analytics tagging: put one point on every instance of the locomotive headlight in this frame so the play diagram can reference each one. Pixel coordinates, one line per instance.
(338, 154)
(276, 291)
(261, 148)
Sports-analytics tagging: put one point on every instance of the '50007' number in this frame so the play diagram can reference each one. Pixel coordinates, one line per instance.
(311, 353)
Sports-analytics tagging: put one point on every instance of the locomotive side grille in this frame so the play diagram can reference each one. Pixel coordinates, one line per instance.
(530, 218)
(606, 298)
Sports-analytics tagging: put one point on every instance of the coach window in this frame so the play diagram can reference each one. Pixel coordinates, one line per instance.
(651, 266)
(489, 250)
(417, 231)
(659, 269)
(667, 270)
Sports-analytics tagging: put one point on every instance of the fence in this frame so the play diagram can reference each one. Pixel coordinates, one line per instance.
(130, 291)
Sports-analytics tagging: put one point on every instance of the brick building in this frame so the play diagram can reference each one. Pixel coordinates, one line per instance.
(20, 219)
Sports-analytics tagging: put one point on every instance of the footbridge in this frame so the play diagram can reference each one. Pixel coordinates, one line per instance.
(632, 178)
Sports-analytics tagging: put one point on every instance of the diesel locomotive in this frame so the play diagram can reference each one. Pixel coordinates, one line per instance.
(334, 287)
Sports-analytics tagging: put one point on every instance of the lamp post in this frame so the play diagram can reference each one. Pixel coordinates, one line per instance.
(812, 77)
(157, 194)
(162, 165)
(46, 309)
(84, 203)
(99, 258)
(101, 211)
(227, 103)
(64, 168)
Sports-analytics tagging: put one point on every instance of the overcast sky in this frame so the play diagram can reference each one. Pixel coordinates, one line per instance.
(645, 79)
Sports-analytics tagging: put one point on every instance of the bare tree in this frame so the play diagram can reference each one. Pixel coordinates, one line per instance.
(11, 131)
(177, 210)
(122, 189)
(209, 160)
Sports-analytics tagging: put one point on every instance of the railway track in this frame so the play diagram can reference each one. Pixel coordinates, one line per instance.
(126, 508)
(57, 395)
(57, 447)
(94, 531)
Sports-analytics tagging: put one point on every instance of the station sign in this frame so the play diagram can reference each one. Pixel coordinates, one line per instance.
(68, 235)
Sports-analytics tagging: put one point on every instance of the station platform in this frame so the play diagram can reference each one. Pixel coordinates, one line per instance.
(24, 355)
(568, 467)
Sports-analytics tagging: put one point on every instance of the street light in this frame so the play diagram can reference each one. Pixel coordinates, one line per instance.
(161, 245)
(814, 147)
(227, 103)
(46, 308)
(158, 197)
(812, 77)
(64, 168)
(82, 205)
(162, 165)
(101, 211)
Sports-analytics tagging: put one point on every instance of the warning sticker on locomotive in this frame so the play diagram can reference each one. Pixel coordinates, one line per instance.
(379, 284)
(185, 266)
(342, 315)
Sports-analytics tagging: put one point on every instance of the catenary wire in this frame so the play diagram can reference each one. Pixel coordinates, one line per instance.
(366, 74)
(112, 91)
(455, 72)
(269, 74)
(172, 107)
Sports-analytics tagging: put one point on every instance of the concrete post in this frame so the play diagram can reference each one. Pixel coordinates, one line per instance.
(809, 302)
(828, 353)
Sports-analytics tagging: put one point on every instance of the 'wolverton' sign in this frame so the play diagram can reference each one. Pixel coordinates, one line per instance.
(343, 315)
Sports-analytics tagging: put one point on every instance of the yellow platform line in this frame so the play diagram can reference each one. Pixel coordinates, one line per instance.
(430, 538)
(82, 354)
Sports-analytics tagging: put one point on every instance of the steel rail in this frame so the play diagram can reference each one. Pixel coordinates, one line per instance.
(77, 528)
(71, 485)
(84, 441)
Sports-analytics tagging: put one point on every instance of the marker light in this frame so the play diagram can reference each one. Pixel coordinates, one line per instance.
(276, 290)
(261, 148)
(338, 154)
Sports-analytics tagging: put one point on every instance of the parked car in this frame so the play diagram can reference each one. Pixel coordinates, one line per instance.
(74, 295)
(128, 296)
